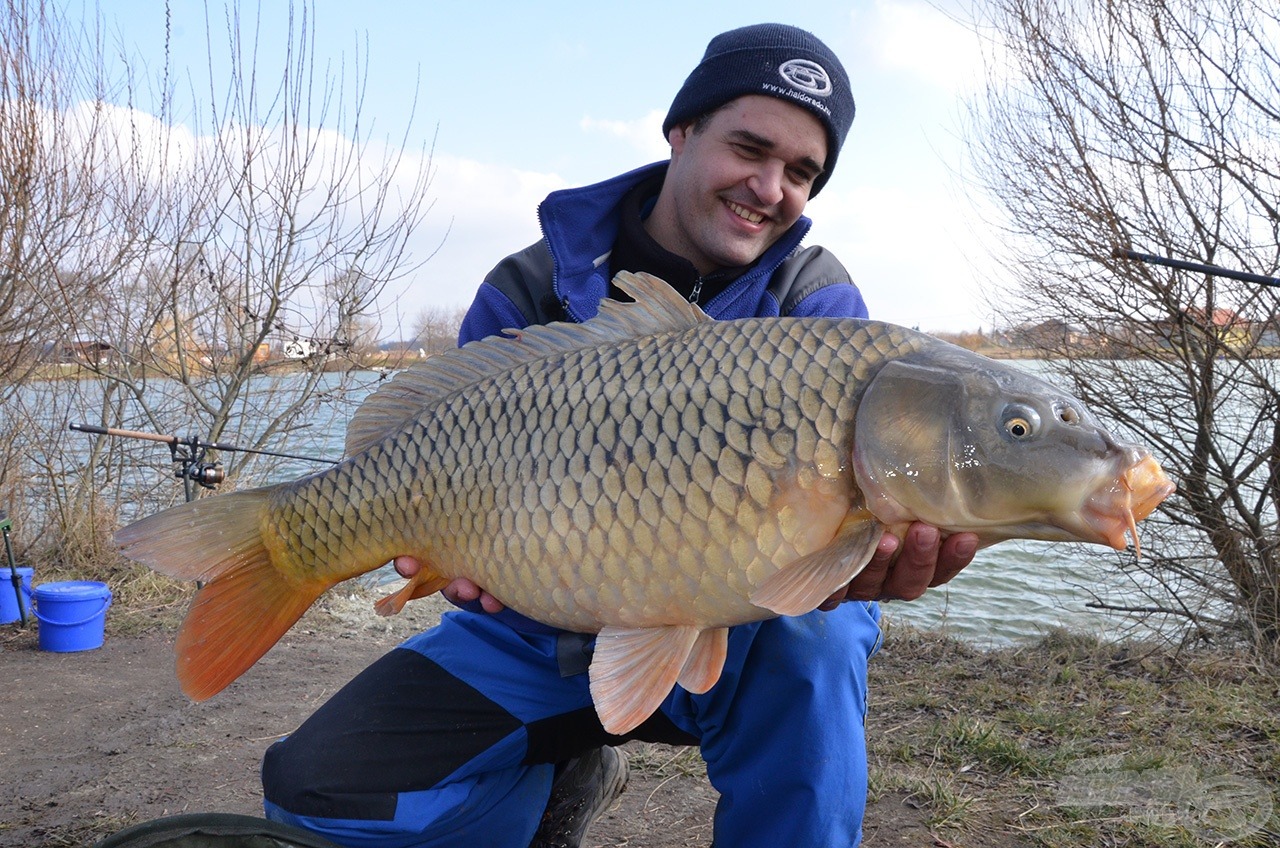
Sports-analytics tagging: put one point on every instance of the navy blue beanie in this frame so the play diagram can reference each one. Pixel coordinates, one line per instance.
(775, 60)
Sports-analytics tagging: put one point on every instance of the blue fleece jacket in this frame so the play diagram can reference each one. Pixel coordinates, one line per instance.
(579, 227)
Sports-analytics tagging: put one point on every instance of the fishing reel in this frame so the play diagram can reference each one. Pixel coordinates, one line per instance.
(207, 474)
(191, 465)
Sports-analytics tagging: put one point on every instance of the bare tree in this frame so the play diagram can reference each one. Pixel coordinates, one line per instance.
(42, 205)
(435, 329)
(268, 212)
(58, 194)
(1152, 125)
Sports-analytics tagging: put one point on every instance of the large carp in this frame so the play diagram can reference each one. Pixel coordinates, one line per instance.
(653, 476)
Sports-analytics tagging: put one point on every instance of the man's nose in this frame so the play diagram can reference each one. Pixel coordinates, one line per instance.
(766, 183)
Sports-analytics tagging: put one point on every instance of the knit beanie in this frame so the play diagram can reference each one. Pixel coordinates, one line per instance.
(775, 60)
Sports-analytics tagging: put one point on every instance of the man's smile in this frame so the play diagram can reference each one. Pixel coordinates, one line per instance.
(744, 213)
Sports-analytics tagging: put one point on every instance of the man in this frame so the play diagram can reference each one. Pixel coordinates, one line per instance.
(481, 731)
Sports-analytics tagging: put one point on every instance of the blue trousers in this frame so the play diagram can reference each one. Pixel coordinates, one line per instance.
(451, 739)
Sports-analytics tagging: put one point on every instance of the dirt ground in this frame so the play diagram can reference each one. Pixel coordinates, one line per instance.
(96, 741)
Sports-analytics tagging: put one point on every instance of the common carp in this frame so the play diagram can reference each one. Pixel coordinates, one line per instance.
(653, 476)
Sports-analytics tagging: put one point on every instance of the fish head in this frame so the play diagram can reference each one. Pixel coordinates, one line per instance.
(970, 444)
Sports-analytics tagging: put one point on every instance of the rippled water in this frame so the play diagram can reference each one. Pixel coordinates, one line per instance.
(1017, 591)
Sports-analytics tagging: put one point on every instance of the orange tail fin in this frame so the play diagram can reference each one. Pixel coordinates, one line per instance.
(246, 606)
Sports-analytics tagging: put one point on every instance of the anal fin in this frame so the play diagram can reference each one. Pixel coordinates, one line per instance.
(702, 669)
(804, 584)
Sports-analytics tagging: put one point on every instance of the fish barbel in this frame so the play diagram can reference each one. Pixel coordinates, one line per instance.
(655, 477)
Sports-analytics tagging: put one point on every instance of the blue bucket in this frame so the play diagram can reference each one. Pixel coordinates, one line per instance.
(9, 609)
(72, 614)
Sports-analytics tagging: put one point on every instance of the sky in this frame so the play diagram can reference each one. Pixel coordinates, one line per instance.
(516, 99)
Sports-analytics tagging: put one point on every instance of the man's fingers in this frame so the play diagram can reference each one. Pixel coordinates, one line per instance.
(461, 591)
(914, 568)
(955, 554)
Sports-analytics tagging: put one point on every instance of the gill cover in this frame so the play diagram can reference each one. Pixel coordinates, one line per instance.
(904, 430)
(968, 444)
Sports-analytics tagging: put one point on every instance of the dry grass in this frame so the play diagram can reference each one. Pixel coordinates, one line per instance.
(1074, 741)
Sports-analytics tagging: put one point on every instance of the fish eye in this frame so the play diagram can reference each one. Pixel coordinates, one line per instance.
(1021, 422)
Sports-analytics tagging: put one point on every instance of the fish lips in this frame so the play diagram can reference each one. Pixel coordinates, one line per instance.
(1115, 508)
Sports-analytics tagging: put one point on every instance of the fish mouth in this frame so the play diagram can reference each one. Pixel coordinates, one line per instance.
(1114, 510)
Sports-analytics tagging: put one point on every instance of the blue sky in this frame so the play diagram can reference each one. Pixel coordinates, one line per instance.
(522, 98)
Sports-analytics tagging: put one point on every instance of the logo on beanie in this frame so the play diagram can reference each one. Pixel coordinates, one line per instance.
(806, 76)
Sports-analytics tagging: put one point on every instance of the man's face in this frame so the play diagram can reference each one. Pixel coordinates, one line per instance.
(738, 183)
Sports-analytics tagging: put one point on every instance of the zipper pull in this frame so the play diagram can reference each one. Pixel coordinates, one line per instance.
(697, 291)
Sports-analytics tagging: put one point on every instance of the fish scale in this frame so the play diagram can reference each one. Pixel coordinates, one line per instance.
(651, 476)
(633, 478)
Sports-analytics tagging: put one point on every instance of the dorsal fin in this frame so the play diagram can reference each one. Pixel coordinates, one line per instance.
(658, 308)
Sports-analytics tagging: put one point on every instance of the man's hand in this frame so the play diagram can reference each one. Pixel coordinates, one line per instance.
(460, 591)
(924, 561)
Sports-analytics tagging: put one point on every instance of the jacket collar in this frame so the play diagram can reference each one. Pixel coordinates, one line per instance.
(580, 226)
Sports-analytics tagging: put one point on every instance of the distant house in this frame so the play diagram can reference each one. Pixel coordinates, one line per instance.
(84, 351)
(1047, 335)
(1268, 335)
(1232, 330)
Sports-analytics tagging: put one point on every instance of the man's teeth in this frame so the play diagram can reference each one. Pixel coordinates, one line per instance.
(744, 212)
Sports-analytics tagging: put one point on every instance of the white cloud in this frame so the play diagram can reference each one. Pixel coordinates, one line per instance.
(907, 251)
(481, 213)
(485, 211)
(643, 134)
(916, 37)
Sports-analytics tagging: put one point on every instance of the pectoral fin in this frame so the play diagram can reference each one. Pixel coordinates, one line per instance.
(801, 586)
(634, 669)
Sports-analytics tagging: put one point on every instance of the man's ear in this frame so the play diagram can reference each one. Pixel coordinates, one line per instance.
(678, 135)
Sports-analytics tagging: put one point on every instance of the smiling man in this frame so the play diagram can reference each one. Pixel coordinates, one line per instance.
(481, 731)
(738, 180)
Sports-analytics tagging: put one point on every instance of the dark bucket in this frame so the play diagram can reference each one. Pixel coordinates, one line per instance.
(9, 600)
(72, 614)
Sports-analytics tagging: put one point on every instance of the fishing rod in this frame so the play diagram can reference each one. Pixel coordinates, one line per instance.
(14, 577)
(1198, 267)
(189, 455)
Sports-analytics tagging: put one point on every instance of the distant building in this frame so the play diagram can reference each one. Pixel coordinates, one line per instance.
(1267, 336)
(1047, 335)
(1227, 326)
(84, 351)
